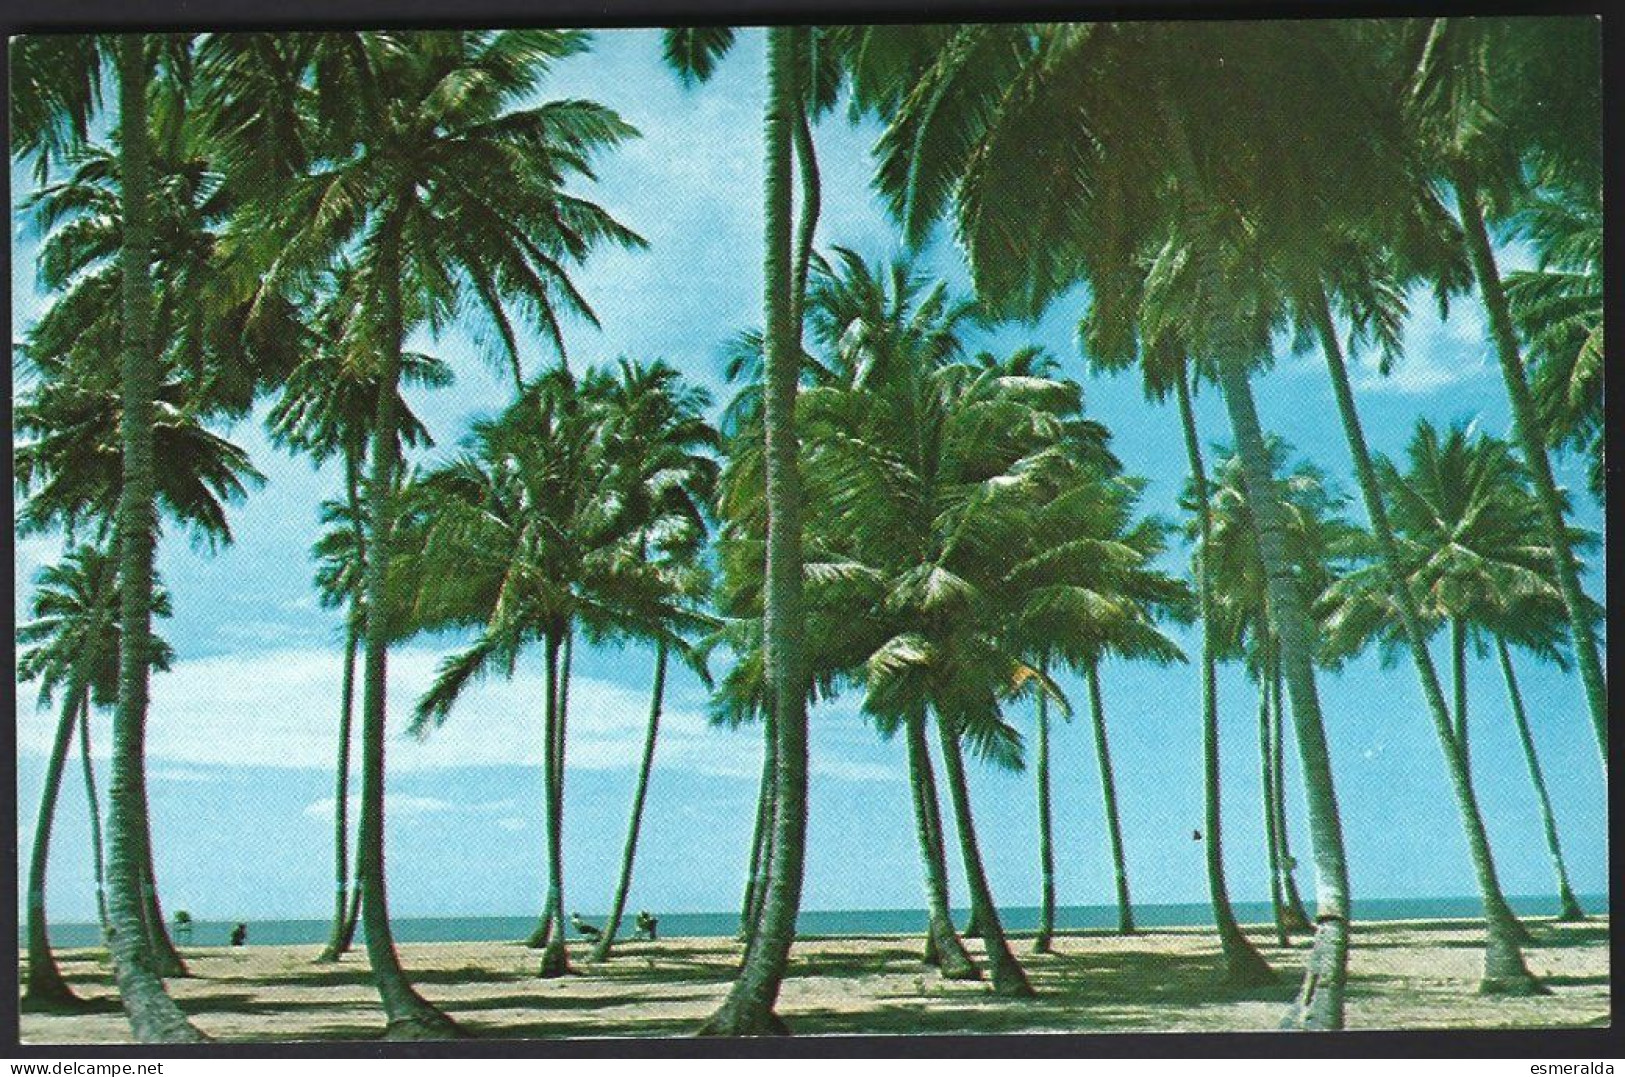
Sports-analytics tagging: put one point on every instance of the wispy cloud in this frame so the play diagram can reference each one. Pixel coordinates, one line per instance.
(1437, 352)
(278, 708)
(407, 804)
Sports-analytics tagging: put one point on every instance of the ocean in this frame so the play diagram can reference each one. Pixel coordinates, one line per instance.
(823, 922)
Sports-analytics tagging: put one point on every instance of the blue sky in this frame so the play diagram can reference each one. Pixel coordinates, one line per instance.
(242, 733)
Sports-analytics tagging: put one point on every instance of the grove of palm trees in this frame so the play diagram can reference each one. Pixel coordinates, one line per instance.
(902, 529)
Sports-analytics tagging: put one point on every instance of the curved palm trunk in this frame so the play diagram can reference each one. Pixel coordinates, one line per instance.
(1531, 438)
(1108, 789)
(408, 1014)
(1504, 968)
(1297, 917)
(761, 837)
(1046, 845)
(1458, 671)
(555, 956)
(45, 987)
(1569, 910)
(1243, 964)
(1272, 839)
(748, 1009)
(942, 947)
(1008, 977)
(93, 806)
(1319, 1004)
(336, 942)
(153, 1015)
(600, 952)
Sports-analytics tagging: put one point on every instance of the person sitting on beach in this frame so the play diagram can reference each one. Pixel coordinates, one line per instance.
(239, 935)
(647, 926)
(584, 929)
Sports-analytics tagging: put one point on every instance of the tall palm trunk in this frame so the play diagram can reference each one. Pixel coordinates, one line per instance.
(1297, 917)
(942, 946)
(341, 793)
(1319, 1004)
(153, 1015)
(761, 836)
(93, 806)
(1108, 789)
(1458, 672)
(550, 924)
(45, 988)
(1272, 838)
(343, 931)
(408, 1014)
(1046, 842)
(555, 956)
(748, 1009)
(1243, 964)
(1504, 968)
(1569, 910)
(1008, 977)
(600, 952)
(1531, 438)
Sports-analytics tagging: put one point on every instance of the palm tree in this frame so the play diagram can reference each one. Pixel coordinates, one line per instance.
(1467, 528)
(1176, 171)
(1319, 542)
(116, 303)
(1367, 258)
(324, 409)
(69, 463)
(1568, 906)
(1489, 98)
(435, 196)
(667, 459)
(74, 645)
(693, 53)
(1081, 620)
(1557, 310)
(924, 481)
(542, 528)
(57, 91)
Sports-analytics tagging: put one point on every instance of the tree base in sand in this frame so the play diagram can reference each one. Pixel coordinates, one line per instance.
(1515, 986)
(428, 1026)
(739, 1021)
(555, 961)
(60, 1000)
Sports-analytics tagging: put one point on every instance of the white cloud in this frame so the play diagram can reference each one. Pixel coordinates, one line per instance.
(1437, 353)
(279, 708)
(407, 804)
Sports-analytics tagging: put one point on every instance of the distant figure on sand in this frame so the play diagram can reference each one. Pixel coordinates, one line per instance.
(239, 934)
(584, 929)
(648, 926)
(183, 925)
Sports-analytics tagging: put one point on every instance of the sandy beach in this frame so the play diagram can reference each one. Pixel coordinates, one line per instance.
(1404, 975)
